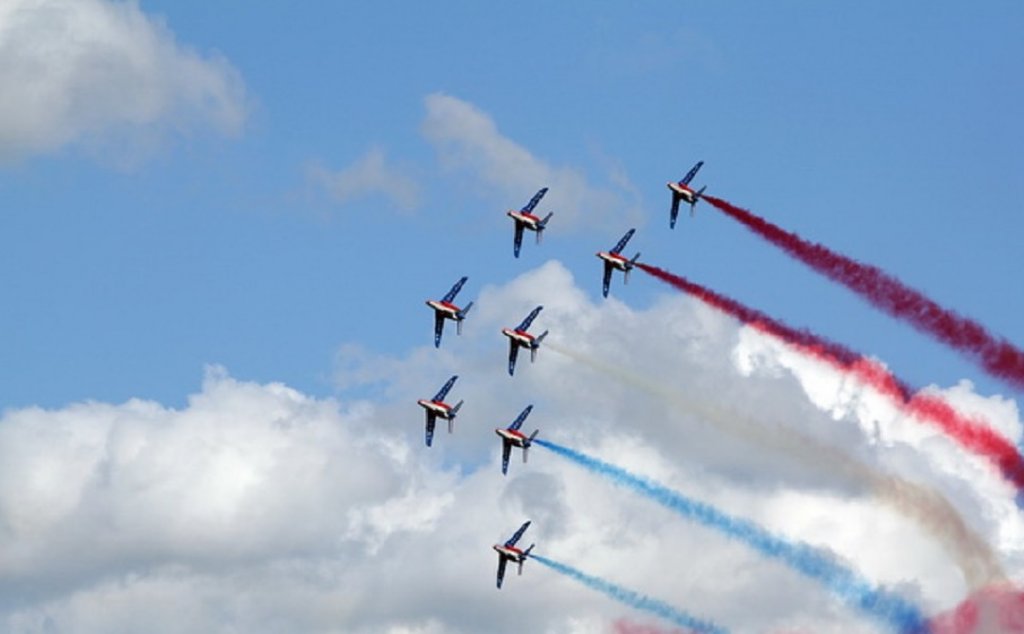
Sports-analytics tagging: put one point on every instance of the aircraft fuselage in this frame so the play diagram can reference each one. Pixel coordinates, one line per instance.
(442, 410)
(528, 220)
(617, 260)
(516, 438)
(450, 311)
(510, 553)
(684, 192)
(523, 339)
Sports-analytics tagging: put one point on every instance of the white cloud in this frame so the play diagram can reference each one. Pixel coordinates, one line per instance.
(260, 509)
(467, 140)
(369, 175)
(97, 71)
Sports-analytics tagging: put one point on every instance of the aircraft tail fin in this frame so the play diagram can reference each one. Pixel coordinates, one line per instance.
(451, 417)
(543, 223)
(526, 553)
(696, 199)
(536, 346)
(629, 267)
(526, 445)
(459, 316)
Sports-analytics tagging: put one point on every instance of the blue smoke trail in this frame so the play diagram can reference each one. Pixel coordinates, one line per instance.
(844, 582)
(633, 599)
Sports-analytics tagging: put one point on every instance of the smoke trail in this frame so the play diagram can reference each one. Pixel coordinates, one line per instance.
(972, 435)
(997, 356)
(815, 564)
(928, 508)
(622, 626)
(995, 609)
(633, 599)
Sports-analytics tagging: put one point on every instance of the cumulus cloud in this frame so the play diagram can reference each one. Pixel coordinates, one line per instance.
(467, 140)
(261, 509)
(100, 71)
(367, 176)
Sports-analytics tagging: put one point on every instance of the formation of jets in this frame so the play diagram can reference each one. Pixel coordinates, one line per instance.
(519, 337)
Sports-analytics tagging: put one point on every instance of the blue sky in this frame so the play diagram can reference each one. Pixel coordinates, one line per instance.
(891, 133)
(221, 221)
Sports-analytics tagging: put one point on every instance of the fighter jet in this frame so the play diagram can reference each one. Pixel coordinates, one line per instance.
(437, 408)
(524, 219)
(682, 191)
(512, 437)
(615, 260)
(445, 309)
(508, 552)
(519, 338)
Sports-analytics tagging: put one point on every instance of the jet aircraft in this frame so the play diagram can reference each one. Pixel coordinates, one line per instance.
(445, 309)
(519, 338)
(437, 408)
(682, 191)
(615, 260)
(508, 552)
(512, 437)
(525, 219)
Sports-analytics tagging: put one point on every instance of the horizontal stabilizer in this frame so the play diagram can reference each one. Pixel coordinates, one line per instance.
(544, 222)
(455, 410)
(465, 311)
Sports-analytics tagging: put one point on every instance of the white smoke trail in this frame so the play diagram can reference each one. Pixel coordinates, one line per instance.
(975, 558)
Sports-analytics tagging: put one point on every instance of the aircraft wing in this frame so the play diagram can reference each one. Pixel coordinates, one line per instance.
(450, 295)
(438, 328)
(675, 210)
(529, 319)
(622, 243)
(501, 570)
(513, 352)
(693, 172)
(533, 201)
(518, 422)
(444, 390)
(518, 534)
(607, 278)
(506, 450)
(431, 419)
(517, 240)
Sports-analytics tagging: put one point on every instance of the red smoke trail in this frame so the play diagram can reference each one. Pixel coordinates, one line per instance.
(992, 610)
(970, 434)
(997, 356)
(622, 626)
